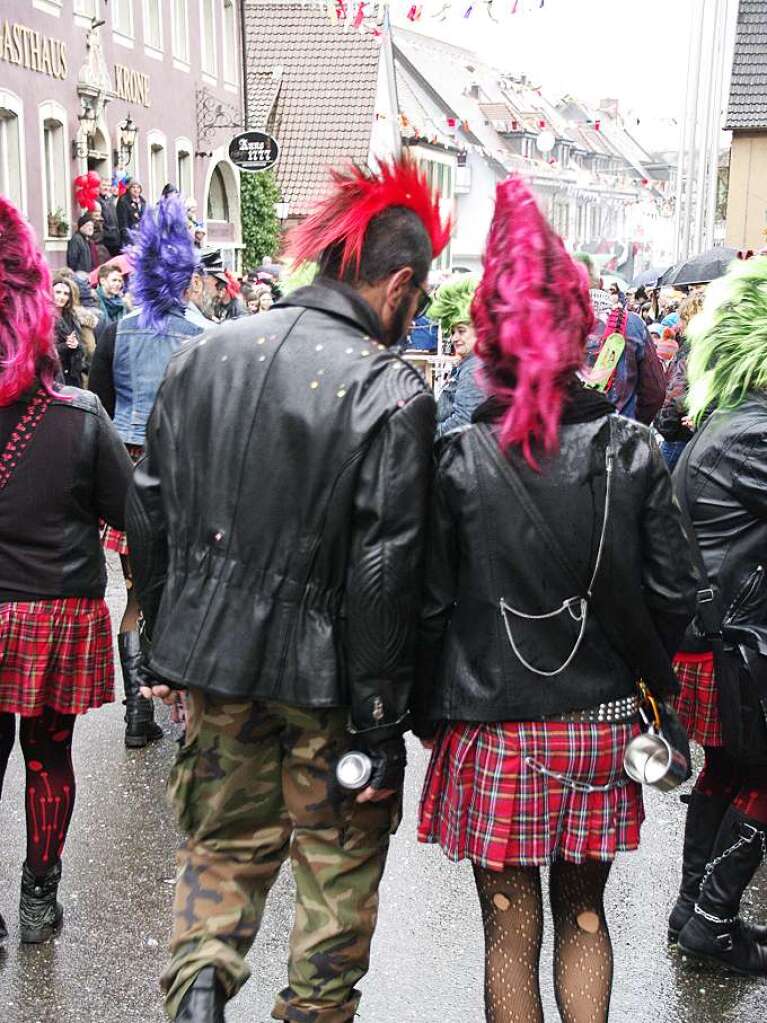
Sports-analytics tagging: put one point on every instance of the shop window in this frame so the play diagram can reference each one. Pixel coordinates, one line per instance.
(184, 180)
(11, 167)
(180, 10)
(229, 19)
(153, 23)
(55, 168)
(208, 41)
(122, 17)
(218, 200)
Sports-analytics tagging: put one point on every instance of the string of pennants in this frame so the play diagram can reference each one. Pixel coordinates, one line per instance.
(367, 15)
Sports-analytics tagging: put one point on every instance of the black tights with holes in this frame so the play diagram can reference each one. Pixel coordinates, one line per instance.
(512, 914)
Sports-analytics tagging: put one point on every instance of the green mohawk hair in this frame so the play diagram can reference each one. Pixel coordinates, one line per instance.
(452, 303)
(728, 353)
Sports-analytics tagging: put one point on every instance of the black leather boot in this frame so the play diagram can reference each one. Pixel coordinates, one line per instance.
(704, 816)
(140, 727)
(3, 929)
(715, 933)
(204, 1001)
(40, 915)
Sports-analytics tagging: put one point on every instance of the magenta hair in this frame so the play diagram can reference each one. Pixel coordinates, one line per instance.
(27, 350)
(532, 314)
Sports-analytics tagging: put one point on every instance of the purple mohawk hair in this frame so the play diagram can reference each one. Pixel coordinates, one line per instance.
(163, 262)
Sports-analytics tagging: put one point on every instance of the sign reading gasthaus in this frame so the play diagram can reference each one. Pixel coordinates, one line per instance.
(33, 50)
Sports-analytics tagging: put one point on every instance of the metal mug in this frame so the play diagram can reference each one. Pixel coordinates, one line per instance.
(650, 759)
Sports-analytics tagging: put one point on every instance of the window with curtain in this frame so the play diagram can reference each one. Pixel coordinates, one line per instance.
(184, 173)
(218, 201)
(229, 41)
(122, 16)
(153, 23)
(11, 168)
(208, 30)
(54, 167)
(180, 10)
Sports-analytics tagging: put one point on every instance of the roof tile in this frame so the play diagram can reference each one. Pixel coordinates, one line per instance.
(748, 88)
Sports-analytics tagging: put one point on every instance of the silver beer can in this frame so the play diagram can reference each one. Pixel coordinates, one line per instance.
(354, 770)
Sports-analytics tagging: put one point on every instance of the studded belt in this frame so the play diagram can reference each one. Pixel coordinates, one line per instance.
(614, 712)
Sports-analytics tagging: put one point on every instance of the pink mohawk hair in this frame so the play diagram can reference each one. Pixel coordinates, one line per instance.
(358, 195)
(532, 314)
(27, 350)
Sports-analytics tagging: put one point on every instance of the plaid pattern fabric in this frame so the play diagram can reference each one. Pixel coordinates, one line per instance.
(697, 703)
(513, 793)
(55, 653)
(114, 539)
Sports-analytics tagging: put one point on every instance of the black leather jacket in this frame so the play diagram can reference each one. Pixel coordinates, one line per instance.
(276, 523)
(725, 482)
(484, 547)
(74, 472)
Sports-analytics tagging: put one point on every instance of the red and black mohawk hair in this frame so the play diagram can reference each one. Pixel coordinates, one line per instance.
(342, 218)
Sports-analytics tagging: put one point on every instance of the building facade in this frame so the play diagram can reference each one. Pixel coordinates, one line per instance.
(149, 89)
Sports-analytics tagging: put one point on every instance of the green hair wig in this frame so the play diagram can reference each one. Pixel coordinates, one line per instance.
(728, 340)
(451, 304)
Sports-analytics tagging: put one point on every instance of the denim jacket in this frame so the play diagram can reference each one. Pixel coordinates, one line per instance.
(140, 359)
(461, 396)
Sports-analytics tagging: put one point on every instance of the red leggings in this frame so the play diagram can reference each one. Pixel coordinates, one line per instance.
(743, 785)
(46, 743)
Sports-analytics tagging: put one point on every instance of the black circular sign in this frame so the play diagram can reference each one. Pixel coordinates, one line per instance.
(254, 151)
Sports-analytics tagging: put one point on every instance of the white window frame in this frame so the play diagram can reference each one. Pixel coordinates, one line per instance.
(85, 10)
(154, 49)
(52, 111)
(184, 145)
(208, 74)
(10, 101)
(180, 61)
(154, 189)
(229, 59)
(124, 38)
(48, 7)
(219, 157)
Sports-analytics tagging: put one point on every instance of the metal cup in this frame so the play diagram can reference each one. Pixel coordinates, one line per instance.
(354, 770)
(650, 759)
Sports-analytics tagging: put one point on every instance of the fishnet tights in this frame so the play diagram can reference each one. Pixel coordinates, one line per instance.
(512, 914)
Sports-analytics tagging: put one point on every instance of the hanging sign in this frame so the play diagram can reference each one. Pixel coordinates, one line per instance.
(254, 151)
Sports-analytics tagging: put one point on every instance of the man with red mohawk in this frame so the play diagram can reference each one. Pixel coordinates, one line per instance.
(276, 527)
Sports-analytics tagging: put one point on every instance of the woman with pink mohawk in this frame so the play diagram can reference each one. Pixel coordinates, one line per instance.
(62, 468)
(557, 575)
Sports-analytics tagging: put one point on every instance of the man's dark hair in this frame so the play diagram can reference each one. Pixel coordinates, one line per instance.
(394, 239)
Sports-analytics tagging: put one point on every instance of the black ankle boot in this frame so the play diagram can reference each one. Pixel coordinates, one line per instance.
(3, 929)
(704, 816)
(204, 1001)
(715, 933)
(140, 727)
(40, 915)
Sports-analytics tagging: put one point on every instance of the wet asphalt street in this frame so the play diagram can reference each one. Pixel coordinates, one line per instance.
(117, 890)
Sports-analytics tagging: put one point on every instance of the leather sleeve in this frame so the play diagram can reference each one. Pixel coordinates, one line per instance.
(145, 521)
(651, 385)
(383, 589)
(100, 379)
(749, 478)
(439, 596)
(114, 470)
(669, 582)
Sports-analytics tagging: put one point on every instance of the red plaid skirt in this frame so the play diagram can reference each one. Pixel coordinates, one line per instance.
(697, 703)
(114, 539)
(519, 793)
(55, 653)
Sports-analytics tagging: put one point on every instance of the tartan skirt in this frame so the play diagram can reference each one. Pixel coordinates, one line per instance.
(55, 653)
(511, 794)
(115, 539)
(697, 703)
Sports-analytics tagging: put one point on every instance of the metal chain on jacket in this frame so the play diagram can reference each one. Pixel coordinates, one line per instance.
(576, 607)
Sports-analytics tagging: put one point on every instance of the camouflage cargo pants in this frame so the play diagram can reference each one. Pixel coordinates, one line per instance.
(253, 784)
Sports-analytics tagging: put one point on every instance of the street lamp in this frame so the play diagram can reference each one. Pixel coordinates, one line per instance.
(128, 133)
(88, 120)
(282, 210)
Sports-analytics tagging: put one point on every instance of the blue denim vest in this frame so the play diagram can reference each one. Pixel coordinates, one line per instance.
(140, 359)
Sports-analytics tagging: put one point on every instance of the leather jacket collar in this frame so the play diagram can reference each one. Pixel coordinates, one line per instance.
(582, 405)
(340, 300)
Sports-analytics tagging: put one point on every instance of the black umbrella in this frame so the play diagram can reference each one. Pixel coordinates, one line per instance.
(700, 269)
(649, 278)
